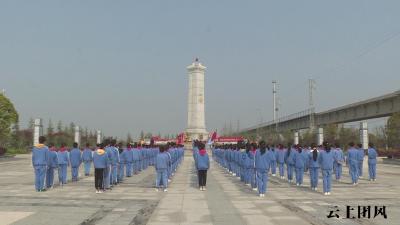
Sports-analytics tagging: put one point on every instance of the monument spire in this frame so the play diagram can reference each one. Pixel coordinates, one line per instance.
(196, 128)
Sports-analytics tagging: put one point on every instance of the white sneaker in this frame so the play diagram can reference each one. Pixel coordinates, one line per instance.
(297, 184)
(326, 193)
(157, 190)
(169, 180)
(200, 188)
(255, 189)
(97, 191)
(315, 189)
(165, 190)
(204, 188)
(329, 193)
(260, 195)
(273, 175)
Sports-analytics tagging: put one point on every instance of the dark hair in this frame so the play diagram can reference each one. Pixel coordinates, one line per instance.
(87, 145)
(262, 147)
(351, 144)
(359, 145)
(371, 145)
(315, 155)
(42, 139)
(202, 145)
(327, 146)
(51, 145)
(100, 145)
(162, 148)
(75, 145)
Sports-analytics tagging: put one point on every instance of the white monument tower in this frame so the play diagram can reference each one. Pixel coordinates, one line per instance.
(196, 128)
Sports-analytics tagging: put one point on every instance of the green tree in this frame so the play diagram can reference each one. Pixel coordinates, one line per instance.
(8, 119)
(393, 130)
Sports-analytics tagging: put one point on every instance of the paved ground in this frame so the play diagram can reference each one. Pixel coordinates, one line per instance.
(227, 201)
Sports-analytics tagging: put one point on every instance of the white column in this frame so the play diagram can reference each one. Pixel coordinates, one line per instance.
(77, 138)
(320, 136)
(99, 137)
(196, 100)
(364, 134)
(296, 137)
(37, 130)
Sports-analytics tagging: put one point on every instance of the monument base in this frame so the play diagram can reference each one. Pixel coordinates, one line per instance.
(197, 134)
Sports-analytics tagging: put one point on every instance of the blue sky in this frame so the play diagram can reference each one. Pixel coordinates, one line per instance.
(120, 66)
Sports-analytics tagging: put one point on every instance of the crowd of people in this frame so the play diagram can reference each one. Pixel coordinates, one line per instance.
(112, 162)
(252, 163)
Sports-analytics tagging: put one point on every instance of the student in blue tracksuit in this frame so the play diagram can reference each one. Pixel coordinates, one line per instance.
(289, 159)
(76, 160)
(129, 159)
(339, 160)
(298, 160)
(51, 166)
(360, 158)
(100, 163)
(87, 158)
(121, 164)
(263, 163)
(326, 161)
(314, 167)
(136, 159)
(248, 165)
(352, 159)
(114, 163)
(202, 165)
(273, 160)
(40, 155)
(280, 158)
(372, 155)
(161, 166)
(252, 174)
(107, 170)
(63, 163)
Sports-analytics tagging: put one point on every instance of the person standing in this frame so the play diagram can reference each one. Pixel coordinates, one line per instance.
(76, 160)
(161, 166)
(263, 163)
(202, 165)
(372, 155)
(360, 158)
(339, 159)
(100, 163)
(40, 155)
(314, 167)
(129, 159)
(326, 160)
(136, 159)
(87, 158)
(273, 156)
(63, 163)
(298, 160)
(121, 163)
(289, 159)
(352, 158)
(51, 166)
(281, 160)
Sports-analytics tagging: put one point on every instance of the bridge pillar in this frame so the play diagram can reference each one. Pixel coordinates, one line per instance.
(99, 137)
(364, 134)
(37, 130)
(296, 137)
(320, 136)
(77, 137)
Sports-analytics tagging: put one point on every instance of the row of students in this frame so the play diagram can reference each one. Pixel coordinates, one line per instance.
(46, 160)
(249, 165)
(167, 161)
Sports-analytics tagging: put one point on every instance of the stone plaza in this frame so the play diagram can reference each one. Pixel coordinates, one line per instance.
(226, 201)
